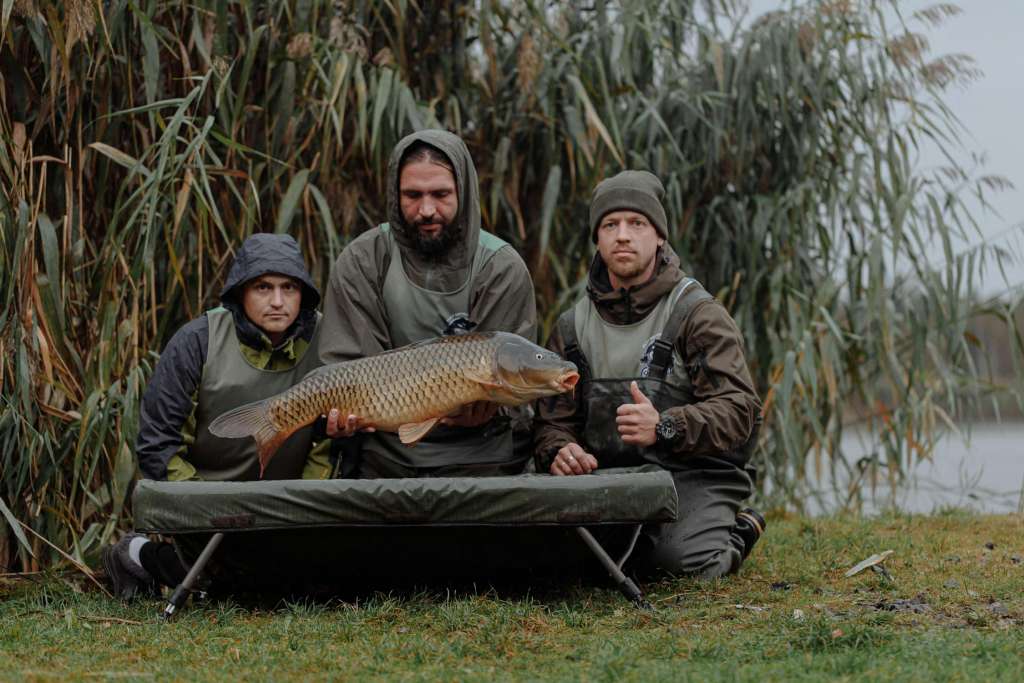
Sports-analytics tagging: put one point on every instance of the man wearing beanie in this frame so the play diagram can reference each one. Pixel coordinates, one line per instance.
(664, 381)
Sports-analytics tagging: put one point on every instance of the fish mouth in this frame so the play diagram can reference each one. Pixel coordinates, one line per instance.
(567, 382)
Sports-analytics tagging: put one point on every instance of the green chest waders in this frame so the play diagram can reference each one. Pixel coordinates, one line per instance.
(610, 357)
(229, 381)
(415, 314)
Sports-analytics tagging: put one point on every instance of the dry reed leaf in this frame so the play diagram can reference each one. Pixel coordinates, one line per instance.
(19, 139)
(44, 356)
(182, 201)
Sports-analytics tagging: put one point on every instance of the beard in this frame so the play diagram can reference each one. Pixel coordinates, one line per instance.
(630, 270)
(434, 247)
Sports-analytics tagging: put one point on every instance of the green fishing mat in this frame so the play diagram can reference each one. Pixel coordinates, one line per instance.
(428, 527)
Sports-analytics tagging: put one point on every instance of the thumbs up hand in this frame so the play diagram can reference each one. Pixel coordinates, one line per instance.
(638, 395)
(636, 421)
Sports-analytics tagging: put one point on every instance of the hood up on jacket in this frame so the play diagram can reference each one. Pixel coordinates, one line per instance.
(624, 306)
(449, 270)
(263, 254)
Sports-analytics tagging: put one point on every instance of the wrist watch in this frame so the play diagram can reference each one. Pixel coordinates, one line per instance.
(665, 431)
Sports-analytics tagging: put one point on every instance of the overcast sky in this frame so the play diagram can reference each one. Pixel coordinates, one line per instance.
(991, 108)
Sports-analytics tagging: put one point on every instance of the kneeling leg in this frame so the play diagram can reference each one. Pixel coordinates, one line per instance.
(702, 541)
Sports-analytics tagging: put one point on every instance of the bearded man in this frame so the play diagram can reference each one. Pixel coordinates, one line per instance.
(429, 270)
(663, 381)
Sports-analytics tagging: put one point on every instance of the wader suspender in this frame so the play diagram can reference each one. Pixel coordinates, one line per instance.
(691, 294)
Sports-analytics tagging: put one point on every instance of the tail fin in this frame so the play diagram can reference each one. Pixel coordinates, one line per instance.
(252, 419)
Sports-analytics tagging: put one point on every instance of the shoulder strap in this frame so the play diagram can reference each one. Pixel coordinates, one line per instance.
(489, 241)
(573, 352)
(689, 294)
(487, 246)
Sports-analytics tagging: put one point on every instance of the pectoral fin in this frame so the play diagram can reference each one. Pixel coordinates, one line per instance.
(414, 431)
(484, 379)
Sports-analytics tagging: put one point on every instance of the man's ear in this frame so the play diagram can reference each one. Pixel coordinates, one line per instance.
(661, 241)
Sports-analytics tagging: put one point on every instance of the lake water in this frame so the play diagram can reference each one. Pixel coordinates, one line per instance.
(985, 474)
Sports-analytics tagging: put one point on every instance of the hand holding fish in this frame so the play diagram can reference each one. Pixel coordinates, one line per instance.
(348, 428)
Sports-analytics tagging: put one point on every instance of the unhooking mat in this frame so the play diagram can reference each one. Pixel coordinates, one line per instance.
(451, 526)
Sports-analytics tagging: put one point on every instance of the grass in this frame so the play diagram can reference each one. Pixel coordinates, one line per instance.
(954, 612)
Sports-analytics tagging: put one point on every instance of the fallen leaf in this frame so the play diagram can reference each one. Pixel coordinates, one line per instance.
(875, 559)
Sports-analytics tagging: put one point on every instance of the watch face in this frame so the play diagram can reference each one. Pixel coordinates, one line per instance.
(665, 430)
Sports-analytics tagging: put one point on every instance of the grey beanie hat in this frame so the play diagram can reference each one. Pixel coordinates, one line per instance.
(639, 191)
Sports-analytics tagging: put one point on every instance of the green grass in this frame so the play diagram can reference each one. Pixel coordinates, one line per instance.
(741, 628)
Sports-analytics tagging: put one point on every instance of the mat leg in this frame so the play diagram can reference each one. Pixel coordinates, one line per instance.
(631, 546)
(180, 593)
(626, 585)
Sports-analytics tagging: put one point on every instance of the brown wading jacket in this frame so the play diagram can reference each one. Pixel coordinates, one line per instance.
(727, 408)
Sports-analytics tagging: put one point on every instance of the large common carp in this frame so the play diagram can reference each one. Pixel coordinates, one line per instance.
(407, 390)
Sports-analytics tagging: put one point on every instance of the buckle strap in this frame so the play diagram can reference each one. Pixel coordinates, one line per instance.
(690, 294)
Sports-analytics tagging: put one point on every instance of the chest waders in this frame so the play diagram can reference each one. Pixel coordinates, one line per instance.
(414, 314)
(229, 381)
(611, 356)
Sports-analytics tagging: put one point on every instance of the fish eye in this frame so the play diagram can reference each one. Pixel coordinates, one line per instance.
(540, 356)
